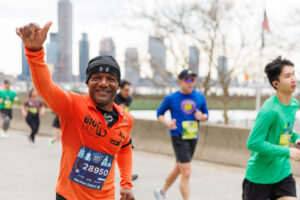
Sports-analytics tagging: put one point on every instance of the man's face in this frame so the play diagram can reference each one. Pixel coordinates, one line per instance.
(125, 91)
(287, 80)
(33, 94)
(7, 86)
(187, 84)
(102, 89)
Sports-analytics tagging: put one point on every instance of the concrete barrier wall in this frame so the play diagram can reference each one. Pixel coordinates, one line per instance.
(18, 122)
(220, 144)
(217, 143)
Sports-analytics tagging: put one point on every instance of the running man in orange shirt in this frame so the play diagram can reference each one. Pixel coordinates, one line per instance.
(95, 131)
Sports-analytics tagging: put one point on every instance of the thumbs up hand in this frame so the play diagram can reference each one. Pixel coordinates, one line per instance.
(33, 35)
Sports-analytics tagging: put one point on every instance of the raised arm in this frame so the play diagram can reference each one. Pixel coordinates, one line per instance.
(34, 37)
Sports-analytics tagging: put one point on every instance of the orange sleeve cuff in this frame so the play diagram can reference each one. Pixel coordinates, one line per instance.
(34, 53)
(125, 166)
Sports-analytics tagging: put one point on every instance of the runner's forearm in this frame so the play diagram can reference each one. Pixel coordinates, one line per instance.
(258, 143)
(268, 148)
(124, 161)
(257, 138)
(162, 119)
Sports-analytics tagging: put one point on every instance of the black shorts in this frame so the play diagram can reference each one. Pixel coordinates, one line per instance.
(56, 122)
(59, 197)
(255, 191)
(184, 149)
(6, 112)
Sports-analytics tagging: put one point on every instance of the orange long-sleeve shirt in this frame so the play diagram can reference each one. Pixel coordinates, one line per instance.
(83, 124)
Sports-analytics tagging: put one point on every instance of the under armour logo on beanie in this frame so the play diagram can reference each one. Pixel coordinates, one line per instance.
(103, 64)
(106, 69)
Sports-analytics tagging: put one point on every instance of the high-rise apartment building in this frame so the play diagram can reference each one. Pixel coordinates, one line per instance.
(25, 67)
(194, 59)
(157, 51)
(132, 66)
(107, 47)
(83, 56)
(65, 41)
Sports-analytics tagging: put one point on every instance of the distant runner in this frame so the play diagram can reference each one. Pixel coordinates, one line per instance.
(7, 98)
(31, 110)
(188, 107)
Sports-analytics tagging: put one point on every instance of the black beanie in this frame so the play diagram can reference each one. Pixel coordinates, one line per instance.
(103, 64)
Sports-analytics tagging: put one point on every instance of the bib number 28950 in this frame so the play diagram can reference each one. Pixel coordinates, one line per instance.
(91, 168)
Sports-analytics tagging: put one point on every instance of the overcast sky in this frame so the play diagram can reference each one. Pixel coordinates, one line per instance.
(98, 18)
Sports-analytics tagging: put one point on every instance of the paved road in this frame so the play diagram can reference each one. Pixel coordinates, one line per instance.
(29, 172)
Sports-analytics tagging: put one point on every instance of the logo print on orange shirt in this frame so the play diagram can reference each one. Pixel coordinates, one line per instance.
(118, 139)
(93, 127)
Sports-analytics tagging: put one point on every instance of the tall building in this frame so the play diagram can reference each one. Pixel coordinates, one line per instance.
(194, 59)
(132, 66)
(65, 41)
(53, 49)
(25, 67)
(83, 56)
(157, 52)
(107, 47)
(222, 66)
(52, 52)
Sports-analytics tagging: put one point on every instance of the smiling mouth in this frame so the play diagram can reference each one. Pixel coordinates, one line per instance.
(102, 92)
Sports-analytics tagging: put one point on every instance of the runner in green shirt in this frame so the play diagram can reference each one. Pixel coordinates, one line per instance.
(7, 98)
(269, 174)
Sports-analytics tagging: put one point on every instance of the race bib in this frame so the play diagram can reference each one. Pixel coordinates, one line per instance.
(91, 168)
(285, 139)
(190, 130)
(7, 104)
(33, 110)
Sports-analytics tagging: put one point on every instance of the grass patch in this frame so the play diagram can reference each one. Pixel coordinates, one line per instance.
(152, 104)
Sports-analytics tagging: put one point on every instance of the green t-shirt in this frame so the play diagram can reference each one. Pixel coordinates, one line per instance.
(8, 97)
(269, 139)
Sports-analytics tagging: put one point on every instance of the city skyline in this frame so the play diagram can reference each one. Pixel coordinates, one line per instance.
(83, 12)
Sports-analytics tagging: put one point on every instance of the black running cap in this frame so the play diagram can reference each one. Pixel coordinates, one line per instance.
(185, 73)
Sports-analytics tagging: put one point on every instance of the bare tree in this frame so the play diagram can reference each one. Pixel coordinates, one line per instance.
(208, 26)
